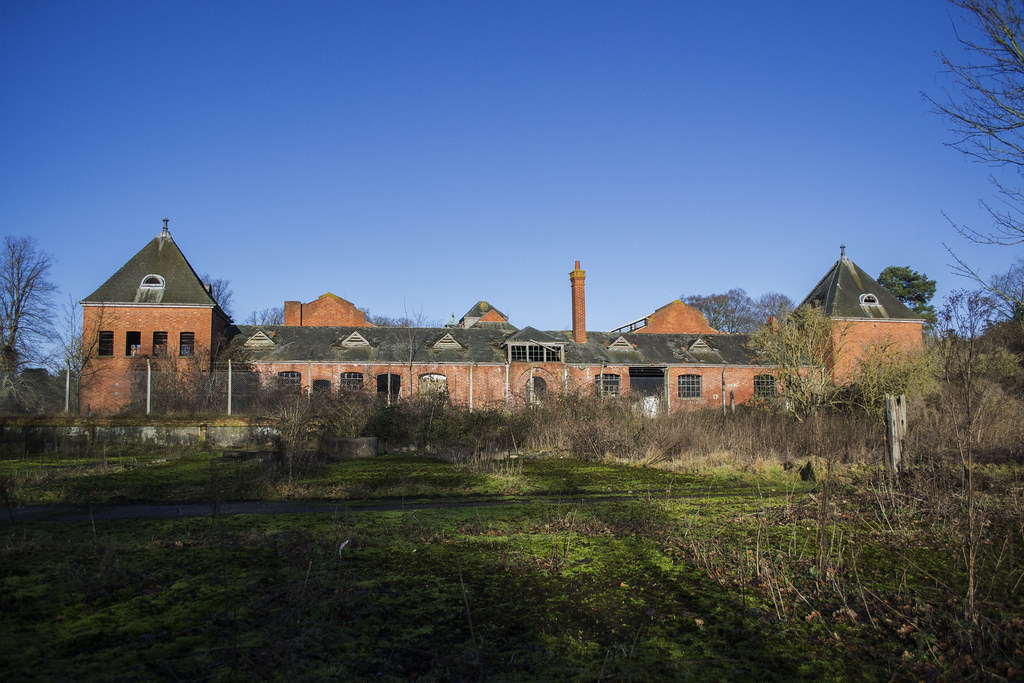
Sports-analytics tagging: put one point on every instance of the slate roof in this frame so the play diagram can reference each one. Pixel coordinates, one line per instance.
(482, 308)
(839, 295)
(294, 344)
(160, 257)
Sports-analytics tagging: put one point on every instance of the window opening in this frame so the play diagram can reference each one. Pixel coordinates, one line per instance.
(106, 346)
(536, 389)
(395, 385)
(132, 343)
(433, 384)
(868, 300)
(152, 282)
(350, 381)
(606, 384)
(289, 380)
(321, 386)
(186, 343)
(159, 343)
(764, 386)
(648, 381)
(535, 353)
(689, 386)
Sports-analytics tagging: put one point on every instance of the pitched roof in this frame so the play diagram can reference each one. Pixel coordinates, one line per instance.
(480, 345)
(160, 257)
(482, 308)
(846, 291)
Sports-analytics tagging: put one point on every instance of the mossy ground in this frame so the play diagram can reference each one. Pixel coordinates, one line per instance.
(766, 578)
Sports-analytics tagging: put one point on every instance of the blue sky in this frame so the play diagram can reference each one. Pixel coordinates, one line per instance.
(420, 156)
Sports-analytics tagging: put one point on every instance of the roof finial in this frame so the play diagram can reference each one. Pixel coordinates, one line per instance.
(165, 232)
(842, 251)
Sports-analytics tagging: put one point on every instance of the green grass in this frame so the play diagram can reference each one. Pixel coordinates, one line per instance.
(741, 578)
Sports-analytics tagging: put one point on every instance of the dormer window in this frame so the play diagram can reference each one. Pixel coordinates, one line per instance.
(868, 300)
(152, 282)
(531, 352)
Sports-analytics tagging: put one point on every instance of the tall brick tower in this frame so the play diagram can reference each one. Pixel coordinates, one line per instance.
(579, 307)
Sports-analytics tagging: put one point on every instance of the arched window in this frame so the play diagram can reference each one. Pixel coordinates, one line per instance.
(536, 389)
(152, 282)
(289, 381)
(868, 300)
(351, 381)
(689, 386)
(433, 385)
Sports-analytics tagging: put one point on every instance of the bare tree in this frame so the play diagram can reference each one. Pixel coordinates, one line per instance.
(801, 350)
(735, 312)
(731, 312)
(272, 315)
(220, 290)
(25, 302)
(985, 108)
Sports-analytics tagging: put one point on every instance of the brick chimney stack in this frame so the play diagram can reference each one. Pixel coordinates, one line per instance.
(579, 308)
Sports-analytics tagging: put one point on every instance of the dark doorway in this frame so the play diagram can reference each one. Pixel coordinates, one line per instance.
(647, 381)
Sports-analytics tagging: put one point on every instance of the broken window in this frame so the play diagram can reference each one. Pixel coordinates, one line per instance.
(689, 386)
(536, 389)
(606, 384)
(186, 343)
(764, 386)
(159, 343)
(433, 385)
(321, 386)
(534, 353)
(106, 345)
(132, 343)
(389, 385)
(350, 381)
(647, 380)
(289, 381)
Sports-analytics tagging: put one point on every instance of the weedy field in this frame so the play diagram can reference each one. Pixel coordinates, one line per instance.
(532, 568)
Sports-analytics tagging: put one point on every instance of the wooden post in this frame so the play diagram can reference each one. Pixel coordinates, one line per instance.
(895, 431)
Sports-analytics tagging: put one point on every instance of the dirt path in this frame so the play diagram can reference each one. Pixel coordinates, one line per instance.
(85, 512)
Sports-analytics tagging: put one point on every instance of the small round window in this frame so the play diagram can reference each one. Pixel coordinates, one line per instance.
(868, 300)
(152, 282)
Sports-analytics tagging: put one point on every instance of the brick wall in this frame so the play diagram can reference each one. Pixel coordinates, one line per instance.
(677, 318)
(105, 385)
(328, 310)
(487, 382)
(853, 338)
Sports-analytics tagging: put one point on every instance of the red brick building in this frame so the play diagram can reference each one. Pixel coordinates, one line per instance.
(156, 310)
(153, 311)
(867, 316)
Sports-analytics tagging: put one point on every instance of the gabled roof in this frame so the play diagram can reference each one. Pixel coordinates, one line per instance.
(846, 291)
(482, 308)
(160, 257)
(530, 334)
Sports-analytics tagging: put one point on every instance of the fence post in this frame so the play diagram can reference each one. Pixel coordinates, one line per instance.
(149, 384)
(895, 431)
(229, 386)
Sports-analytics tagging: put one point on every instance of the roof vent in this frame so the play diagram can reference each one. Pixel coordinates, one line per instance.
(447, 342)
(260, 340)
(355, 339)
(620, 344)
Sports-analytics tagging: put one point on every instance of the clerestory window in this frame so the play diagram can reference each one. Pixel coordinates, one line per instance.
(535, 353)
